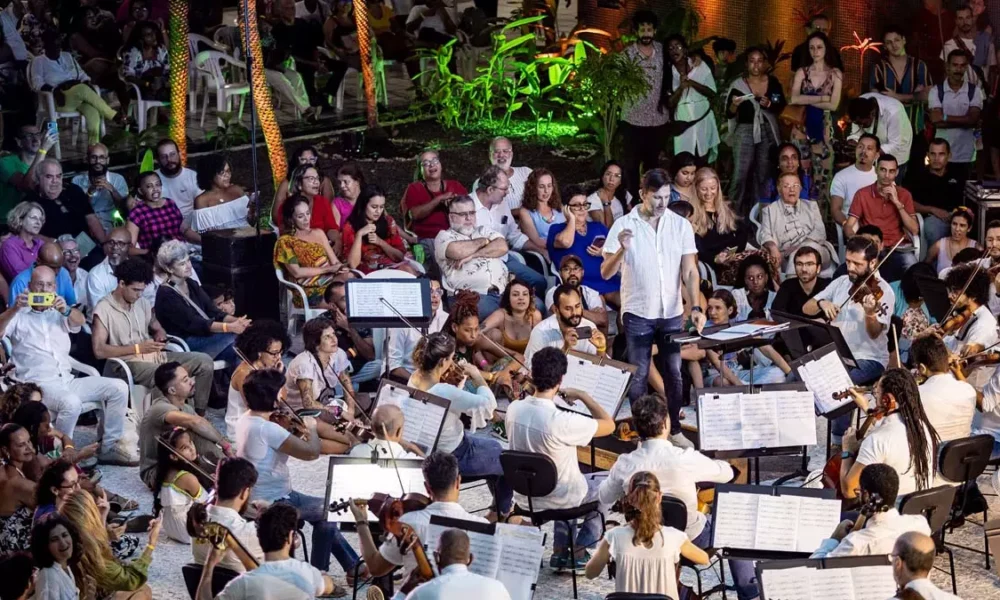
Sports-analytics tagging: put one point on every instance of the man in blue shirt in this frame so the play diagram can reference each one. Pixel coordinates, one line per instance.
(49, 255)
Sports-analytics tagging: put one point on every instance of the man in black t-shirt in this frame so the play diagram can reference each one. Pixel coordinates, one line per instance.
(796, 291)
(301, 39)
(936, 192)
(67, 210)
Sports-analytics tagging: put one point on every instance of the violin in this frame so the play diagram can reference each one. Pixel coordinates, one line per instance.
(389, 511)
(199, 473)
(832, 468)
(455, 375)
(957, 320)
(218, 535)
(962, 367)
(290, 422)
(869, 286)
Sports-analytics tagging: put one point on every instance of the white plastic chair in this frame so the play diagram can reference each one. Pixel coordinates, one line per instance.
(139, 110)
(47, 110)
(139, 396)
(196, 79)
(209, 64)
(755, 211)
(293, 290)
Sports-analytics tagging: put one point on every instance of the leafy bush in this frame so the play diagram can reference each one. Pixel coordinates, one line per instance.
(604, 85)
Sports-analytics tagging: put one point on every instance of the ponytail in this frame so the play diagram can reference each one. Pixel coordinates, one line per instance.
(642, 507)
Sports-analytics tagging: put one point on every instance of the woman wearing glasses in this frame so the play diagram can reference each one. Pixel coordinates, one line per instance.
(583, 239)
(303, 157)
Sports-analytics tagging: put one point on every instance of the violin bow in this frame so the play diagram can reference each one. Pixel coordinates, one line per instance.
(968, 282)
(874, 271)
(185, 461)
(392, 457)
(285, 403)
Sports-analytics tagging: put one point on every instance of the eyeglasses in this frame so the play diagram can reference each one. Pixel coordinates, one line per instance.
(431, 162)
(70, 486)
(464, 215)
(310, 178)
(437, 292)
(71, 251)
(274, 353)
(98, 158)
(577, 206)
(502, 189)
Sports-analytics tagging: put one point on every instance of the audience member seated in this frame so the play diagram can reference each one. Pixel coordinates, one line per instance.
(645, 552)
(387, 425)
(133, 12)
(536, 424)
(58, 72)
(912, 561)
(17, 572)
(185, 311)
(471, 256)
(910, 306)
(37, 22)
(583, 239)
(263, 344)
(67, 209)
(403, 341)
(541, 208)
(300, 40)
(306, 156)
(566, 329)
(794, 292)
(49, 444)
(936, 191)
(754, 298)
(571, 273)
(510, 325)
(145, 62)
(950, 404)
(97, 563)
(17, 169)
(280, 73)
(235, 479)
(682, 171)
(155, 217)
(719, 233)
(49, 255)
(20, 250)
(305, 182)
(350, 182)
(108, 192)
(175, 488)
(788, 161)
(304, 253)
(739, 368)
(55, 544)
(944, 250)
(180, 184)
(215, 178)
(431, 23)
(17, 492)
(101, 280)
(425, 202)
(371, 239)
(790, 224)
(502, 155)
(96, 41)
(611, 199)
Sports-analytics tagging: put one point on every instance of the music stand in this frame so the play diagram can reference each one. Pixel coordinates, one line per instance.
(367, 298)
(844, 409)
(430, 431)
(820, 564)
(935, 295)
(836, 337)
(362, 485)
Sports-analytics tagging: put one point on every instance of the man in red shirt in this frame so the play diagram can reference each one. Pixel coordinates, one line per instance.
(890, 208)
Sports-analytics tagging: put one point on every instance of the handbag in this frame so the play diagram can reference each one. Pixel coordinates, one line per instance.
(793, 115)
(676, 128)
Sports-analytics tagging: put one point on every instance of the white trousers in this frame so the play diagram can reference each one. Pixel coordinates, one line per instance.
(66, 398)
(289, 84)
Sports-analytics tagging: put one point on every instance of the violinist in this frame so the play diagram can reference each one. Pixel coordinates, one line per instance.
(972, 328)
(175, 410)
(387, 425)
(991, 262)
(268, 445)
(950, 404)
(176, 487)
(442, 481)
(263, 343)
(403, 341)
(235, 479)
(902, 438)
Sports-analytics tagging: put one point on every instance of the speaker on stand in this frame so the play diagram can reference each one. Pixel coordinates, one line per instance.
(241, 260)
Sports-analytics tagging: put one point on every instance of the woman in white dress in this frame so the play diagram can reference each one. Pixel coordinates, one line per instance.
(646, 553)
(54, 543)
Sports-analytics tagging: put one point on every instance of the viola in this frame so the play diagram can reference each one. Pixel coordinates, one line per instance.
(869, 286)
(957, 320)
(389, 511)
(290, 422)
(962, 367)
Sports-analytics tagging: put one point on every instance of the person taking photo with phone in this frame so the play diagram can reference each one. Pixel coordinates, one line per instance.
(567, 329)
(584, 239)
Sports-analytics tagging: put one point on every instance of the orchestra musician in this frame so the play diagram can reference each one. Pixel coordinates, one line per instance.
(453, 557)
(903, 438)
(991, 262)
(262, 343)
(387, 425)
(972, 328)
(950, 404)
(235, 479)
(912, 561)
(268, 445)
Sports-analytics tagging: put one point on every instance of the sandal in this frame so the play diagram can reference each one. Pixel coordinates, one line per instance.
(338, 592)
(120, 504)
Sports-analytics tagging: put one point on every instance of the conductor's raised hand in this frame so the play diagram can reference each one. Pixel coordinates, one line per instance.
(625, 238)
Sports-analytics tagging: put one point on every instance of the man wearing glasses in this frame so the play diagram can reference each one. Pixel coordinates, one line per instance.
(101, 280)
(71, 261)
(180, 184)
(17, 170)
(107, 191)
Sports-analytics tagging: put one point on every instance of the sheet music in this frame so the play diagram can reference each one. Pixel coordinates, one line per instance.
(787, 584)
(736, 516)
(485, 549)
(605, 383)
(720, 426)
(825, 376)
(873, 582)
(797, 422)
(833, 584)
(421, 420)
(776, 523)
(364, 299)
(781, 523)
(759, 416)
(520, 559)
(363, 480)
(815, 518)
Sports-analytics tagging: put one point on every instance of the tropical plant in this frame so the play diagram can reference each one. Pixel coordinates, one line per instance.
(230, 133)
(603, 86)
(773, 54)
(139, 143)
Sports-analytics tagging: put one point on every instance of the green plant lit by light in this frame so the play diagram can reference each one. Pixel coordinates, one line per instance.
(604, 85)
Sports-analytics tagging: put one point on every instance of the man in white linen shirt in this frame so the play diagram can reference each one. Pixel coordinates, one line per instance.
(403, 341)
(562, 330)
(879, 486)
(536, 424)
(654, 250)
(102, 280)
(471, 257)
(180, 184)
(387, 425)
(236, 478)
(492, 212)
(886, 119)
(950, 404)
(40, 339)
(453, 557)
(442, 482)
(847, 181)
(502, 155)
(912, 561)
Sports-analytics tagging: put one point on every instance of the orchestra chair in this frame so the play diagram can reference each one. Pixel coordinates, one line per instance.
(935, 504)
(534, 475)
(675, 515)
(220, 577)
(962, 461)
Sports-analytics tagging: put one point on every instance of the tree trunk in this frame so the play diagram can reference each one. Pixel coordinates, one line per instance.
(365, 43)
(180, 58)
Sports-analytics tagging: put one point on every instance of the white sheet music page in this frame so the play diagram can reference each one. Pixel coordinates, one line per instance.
(719, 425)
(776, 523)
(797, 422)
(823, 378)
(736, 517)
(818, 517)
(606, 384)
(520, 558)
(364, 299)
(834, 584)
(364, 480)
(759, 415)
(421, 421)
(873, 582)
(787, 584)
(485, 549)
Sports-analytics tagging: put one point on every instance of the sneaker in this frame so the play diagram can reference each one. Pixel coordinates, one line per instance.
(679, 440)
(118, 456)
(559, 562)
(500, 431)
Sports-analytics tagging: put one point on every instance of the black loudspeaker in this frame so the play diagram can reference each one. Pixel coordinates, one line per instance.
(242, 261)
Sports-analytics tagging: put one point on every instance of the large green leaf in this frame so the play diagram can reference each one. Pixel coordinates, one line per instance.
(514, 43)
(522, 22)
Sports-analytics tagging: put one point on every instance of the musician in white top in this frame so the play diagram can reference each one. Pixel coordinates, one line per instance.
(453, 557)
(236, 478)
(950, 404)
(403, 341)
(912, 561)
(564, 328)
(879, 486)
(978, 331)
(442, 482)
(536, 424)
(654, 250)
(387, 425)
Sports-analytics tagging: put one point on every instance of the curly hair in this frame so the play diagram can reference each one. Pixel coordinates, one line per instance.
(505, 297)
(432, 349)
(753, 260)
(17, 215)
(530, 200)
(40, 540)
(208, 167)
(13, 398)
(464, 306)
(642, 507)
(256, 338)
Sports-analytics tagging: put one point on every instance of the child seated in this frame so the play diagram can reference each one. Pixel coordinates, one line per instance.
(176, 488)
(734, 367)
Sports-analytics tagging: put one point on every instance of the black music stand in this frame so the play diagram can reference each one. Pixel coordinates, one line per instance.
(845, 562)
(935, 295)
(748, 341)
(367, 299)
(831, 331)
(383, 462)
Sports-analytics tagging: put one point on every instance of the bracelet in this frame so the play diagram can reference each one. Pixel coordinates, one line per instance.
(69, 310)
(137, 350)
(68, 446)
(42, 152)
(225, 328)
(606, 204)
(361, 524)
(150, 547)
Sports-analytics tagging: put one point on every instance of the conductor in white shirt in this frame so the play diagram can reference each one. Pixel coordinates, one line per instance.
(455, 581)
(566, 329)
(912, 561)
(654, 250)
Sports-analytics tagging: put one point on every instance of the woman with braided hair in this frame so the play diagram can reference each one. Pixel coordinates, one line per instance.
(645, 551)
(902, 438)
(464, 326)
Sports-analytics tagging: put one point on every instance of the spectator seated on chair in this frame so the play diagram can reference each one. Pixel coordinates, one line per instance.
(942, 253)
(108, 192)
(156, 217)
(132, 13)
(305, 181)
(789, 160)
(145, 61)
(67, 210)
(583, 239)
(55, 544)
(356, 342)
(453, 557)
(262, 344)
(463, 325)
(510, 325)
(535, 424)
(180, 184)
(175, 488)
(17, 169)
(719, 233)
(350, 182)
(222, 298)
(308, 156)
(17, 572)
(571, 273)
(541, 208)
(770, 367)
(36, 23)
(562, 329)
(912, 561)
(611, 198)
(304, 253)
(300, 39)
(101, 280)
(387, 425)
(425, 201)
(756, 294)
(281, 74)
(185, 311)
(17, 492)
(49, 255)
(20, 250)
(682, 171)
(791, 223)
(235, 478)
(502, 155)
(96, 40)
(58, 72)
(645, 551)
(215, 177)
(431, 23)
(371, 239)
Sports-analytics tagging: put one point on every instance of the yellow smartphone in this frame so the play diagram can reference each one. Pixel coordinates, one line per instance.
(41, 299)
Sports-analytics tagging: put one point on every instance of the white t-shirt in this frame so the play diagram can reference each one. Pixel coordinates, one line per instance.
(255, 586)
(420, 521)
(950, 405)
(385, 450)
(258, 440)
(434, 22)
(981, 329)
(304, 366)
(990, 422)
(887, 444)
(537, 425)
(851, 320)
(617, 210)
(548, 335)
(301, 574)
(957, 104)
(848, 181)
(182, 189)
(642, 570)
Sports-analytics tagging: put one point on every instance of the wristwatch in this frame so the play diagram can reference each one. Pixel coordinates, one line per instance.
(696, 309)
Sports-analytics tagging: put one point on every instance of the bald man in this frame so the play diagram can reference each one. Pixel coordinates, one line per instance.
(453, 558)
(39, 335)
(108, 191)
(912, 560)
(387, 423)
(49, 255)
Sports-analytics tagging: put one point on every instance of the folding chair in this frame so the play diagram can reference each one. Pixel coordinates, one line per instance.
(963, 461)
(935, 505)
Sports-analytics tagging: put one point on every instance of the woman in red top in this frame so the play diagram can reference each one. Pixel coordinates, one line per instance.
(306, 156)
(371, 238)
(425, 200)
(306, 180)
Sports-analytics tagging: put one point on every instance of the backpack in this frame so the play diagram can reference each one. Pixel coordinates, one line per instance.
(930, 131)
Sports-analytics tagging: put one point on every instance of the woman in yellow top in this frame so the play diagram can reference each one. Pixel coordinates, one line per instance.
(510, 325)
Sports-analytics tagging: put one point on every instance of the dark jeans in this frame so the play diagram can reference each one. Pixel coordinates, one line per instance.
(338, 69)
(642, 148)
(867, 372)
(640, 335)
(478, 456)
